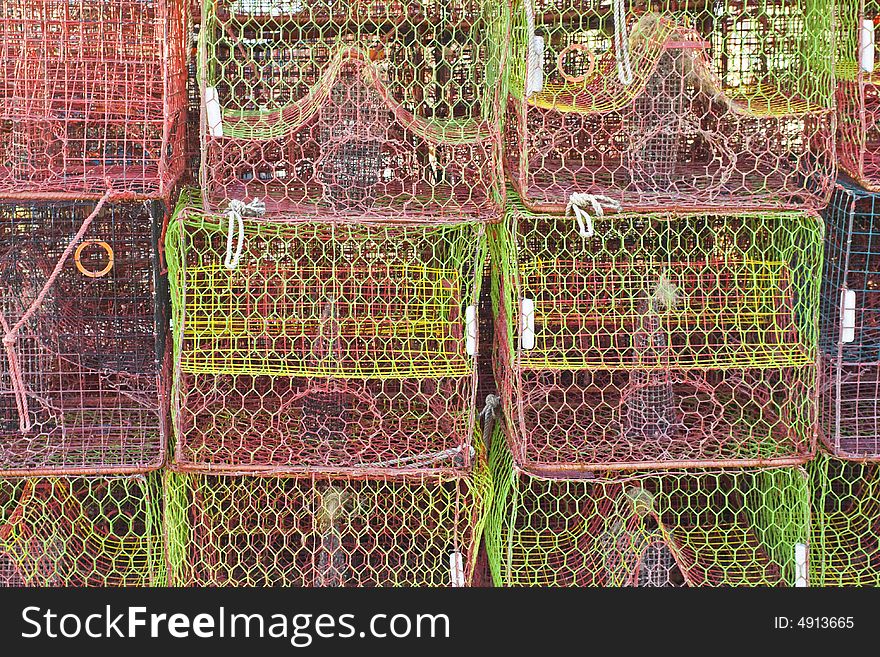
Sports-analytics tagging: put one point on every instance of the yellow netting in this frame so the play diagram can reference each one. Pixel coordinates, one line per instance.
(603, 93)
(319, 531)
(308, 299)
(88, 531)
(698, 527)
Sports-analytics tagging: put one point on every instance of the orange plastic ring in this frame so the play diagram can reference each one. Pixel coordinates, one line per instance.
(576, 79)
(83, 270)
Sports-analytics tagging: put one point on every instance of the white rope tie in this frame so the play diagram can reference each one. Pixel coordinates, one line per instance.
(530, 18)
(237, 211)
(535, 55)
(599, 204)
(621, 45)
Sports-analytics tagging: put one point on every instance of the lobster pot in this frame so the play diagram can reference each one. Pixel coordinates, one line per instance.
(346, 109)
(740, 527)
(850, 325)
(660, 340)
(324, 345)
(81, 387)
(850, 408)
(91, 91)
(858, 91)
(846, 512)
(81, 531)
(315, 531)
(700, 105)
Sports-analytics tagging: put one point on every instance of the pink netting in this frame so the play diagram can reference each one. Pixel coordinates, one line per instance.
(80, 384)
(858, 148)
(858, 91)
(343, 109)
(851, 408)
(91, 94)
(256, 424)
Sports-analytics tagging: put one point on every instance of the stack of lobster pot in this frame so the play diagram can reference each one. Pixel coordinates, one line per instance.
(325, 282)
(92, 123)
(846, 478)
(657, 291)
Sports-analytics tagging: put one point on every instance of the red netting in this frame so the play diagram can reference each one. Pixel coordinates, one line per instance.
(858, 149)
(387, 109)
(79, 380)
(631, 419)
(246, 423)
(92, 93)
(682, 106)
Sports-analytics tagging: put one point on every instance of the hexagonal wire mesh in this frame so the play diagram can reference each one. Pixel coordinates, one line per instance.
(697, 527)
(81, 531)
(91, 91)
(327, 346)
(352, 108)
(850, 325)
(80, 385)
(687, 105)
(845, 549)
(858, 91)
(322, 531)
(663, 340)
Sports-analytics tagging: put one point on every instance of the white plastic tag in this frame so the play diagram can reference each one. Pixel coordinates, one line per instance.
(215, 115)
(800, 565)
(866, 45)
(847, 316)
(470, 328)
(456, 570)
(527, 324)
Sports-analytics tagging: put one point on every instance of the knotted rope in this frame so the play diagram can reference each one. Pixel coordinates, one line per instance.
(599, 203)
(237, 211)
